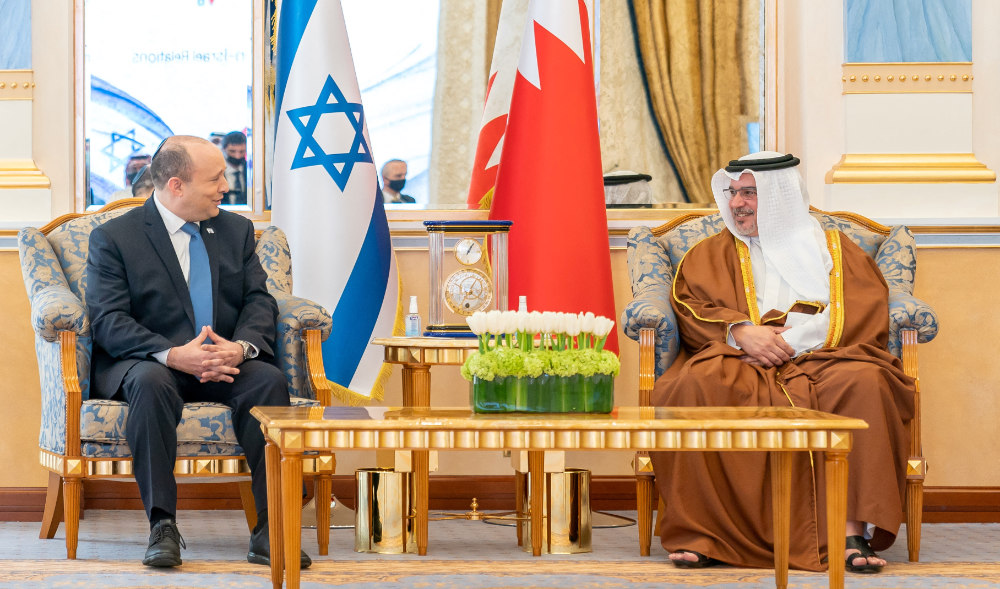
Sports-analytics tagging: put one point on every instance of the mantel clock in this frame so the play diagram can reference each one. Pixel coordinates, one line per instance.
(473, 278)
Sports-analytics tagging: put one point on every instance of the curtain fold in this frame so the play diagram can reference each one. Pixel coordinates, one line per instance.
(694, 68)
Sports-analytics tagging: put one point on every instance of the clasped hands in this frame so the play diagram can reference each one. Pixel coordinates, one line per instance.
(762, 344)
(215, 361)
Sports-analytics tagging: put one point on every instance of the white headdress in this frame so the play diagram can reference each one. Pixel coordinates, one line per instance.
(789, 236)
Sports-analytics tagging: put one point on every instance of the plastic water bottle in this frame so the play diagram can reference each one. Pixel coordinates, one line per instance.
(413, 319)
(522, 303)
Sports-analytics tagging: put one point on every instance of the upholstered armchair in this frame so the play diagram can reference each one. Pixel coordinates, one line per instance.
(83, 438)
(653, 254)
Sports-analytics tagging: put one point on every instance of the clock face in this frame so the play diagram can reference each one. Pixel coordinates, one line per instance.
(468, 251)
(468, 290)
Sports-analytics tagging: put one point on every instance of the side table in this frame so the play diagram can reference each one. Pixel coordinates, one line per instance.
(417, 355)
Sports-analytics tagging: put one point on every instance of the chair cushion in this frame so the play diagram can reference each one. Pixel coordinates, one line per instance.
(206, 429)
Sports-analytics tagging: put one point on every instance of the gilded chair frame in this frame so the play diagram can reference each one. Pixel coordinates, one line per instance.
(916, 466)
(68, 471)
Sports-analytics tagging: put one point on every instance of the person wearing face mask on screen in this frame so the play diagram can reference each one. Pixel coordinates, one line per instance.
(234, 147)
(393, 181)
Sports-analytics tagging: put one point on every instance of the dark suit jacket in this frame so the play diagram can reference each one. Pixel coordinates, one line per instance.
(139, 302)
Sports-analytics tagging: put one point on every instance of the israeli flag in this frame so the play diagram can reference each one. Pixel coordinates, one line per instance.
(326, 196)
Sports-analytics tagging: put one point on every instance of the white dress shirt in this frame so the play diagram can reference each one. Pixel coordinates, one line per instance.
(182, 246)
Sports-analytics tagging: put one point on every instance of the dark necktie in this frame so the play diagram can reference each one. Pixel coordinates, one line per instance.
(199, 278)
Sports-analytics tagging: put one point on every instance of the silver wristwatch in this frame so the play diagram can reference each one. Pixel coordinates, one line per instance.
(249, 350)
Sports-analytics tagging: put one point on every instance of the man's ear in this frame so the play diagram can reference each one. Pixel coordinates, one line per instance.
(175, 185)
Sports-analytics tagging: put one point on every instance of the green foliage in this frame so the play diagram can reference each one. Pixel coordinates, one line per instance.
(503, 361)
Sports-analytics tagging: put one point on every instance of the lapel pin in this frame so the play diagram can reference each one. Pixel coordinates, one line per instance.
(209, 230)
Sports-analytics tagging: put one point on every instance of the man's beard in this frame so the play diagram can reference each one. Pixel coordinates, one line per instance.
(744, 230)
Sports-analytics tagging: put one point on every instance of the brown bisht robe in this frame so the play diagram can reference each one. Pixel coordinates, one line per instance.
(719, 504)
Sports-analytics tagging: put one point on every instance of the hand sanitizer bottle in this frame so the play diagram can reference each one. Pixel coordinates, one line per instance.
(413, 319)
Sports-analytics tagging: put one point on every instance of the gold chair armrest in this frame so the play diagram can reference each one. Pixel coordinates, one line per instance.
(317, 373)
(71, 384)
(647, 364)
(916, 466)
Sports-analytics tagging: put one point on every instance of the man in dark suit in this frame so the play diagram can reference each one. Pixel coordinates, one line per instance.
(393, 181)
(180, 312)
(234, 147)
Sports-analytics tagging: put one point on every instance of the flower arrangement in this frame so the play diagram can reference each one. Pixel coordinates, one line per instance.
(541, 362)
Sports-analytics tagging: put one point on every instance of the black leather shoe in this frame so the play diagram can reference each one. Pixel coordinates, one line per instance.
(260, 549)
(165, 544)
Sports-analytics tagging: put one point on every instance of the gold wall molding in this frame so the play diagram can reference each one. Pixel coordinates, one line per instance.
(22, 174)
(17, 84)
(908, 77)
(908, 168)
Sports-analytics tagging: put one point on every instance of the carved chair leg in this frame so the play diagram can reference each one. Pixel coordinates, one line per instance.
(644, 509)
(249, 506)
(53, 507)
(72, 491)
(914, 517)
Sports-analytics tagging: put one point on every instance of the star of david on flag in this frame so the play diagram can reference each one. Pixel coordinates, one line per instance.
(306, 118)
(326, 197)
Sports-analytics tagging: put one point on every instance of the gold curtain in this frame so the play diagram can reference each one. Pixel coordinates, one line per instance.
(694, 68)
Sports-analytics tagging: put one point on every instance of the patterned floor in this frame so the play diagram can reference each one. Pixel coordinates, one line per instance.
(461, 554)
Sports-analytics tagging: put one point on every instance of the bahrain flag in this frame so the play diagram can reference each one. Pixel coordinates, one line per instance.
(503, 67)
(549, 181)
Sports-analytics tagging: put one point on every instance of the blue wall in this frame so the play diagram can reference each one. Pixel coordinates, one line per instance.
(907, 30)
(15, 34)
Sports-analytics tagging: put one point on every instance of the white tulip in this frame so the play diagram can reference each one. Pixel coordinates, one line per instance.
(493, 322)
(572, 325)
(535, 322)
(509, 322)
(587, 322)
(550, 323)
(477, 322)
(523, 319)
(603, 326)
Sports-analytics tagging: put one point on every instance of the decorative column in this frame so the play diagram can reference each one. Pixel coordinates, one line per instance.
(908, 106)
(25, 195)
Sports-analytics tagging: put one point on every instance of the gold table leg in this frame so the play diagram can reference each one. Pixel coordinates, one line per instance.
(291, 493)
(836, 514)
(322, 486)
(417, 393)
(420, 389)
(781, 485)
(644, 515)
(272, 460)
(536, 474)
(518, 504)
(421, 492)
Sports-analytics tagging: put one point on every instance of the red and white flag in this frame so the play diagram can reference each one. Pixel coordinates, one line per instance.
(550, 181)
(503, 67)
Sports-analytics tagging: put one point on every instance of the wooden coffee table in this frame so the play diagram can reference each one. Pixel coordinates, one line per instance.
(293, 431)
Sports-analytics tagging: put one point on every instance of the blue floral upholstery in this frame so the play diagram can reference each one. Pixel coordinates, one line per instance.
(652, 260)
(54, 271)
(294, 314)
